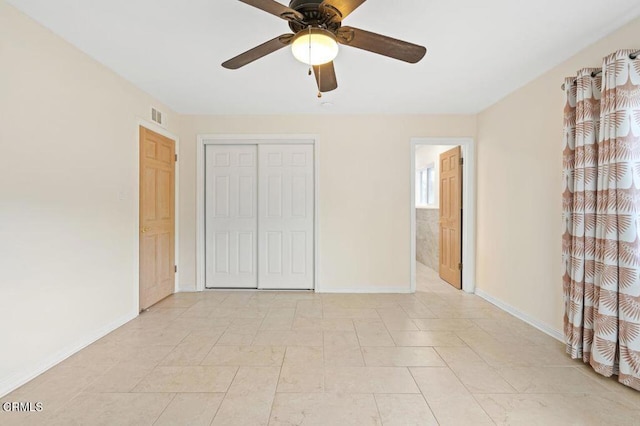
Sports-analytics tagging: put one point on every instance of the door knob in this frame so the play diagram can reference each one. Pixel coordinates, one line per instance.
(145, 229)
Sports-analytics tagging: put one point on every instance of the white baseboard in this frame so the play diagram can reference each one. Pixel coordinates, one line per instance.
(188, 290)
(545, 328)
(367, 290)
(361, 290)
(19, 378)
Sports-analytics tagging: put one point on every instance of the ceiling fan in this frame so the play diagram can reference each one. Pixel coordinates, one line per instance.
(317, 30)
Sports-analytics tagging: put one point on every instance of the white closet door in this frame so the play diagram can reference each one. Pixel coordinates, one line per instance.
(231, 216)
(285, 211)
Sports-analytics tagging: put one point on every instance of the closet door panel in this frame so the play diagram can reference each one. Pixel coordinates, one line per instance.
(231, 223)
(286, 216)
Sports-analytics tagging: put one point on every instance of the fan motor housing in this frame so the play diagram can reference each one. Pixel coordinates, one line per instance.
(295, 4)
(313, 16)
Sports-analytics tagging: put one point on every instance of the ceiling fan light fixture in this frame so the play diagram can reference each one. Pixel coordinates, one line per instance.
(315, 46)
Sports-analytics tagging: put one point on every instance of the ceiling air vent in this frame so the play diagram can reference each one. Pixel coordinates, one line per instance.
(158, 117)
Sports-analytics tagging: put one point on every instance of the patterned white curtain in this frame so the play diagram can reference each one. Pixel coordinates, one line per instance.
(601, 202)
(582, 117)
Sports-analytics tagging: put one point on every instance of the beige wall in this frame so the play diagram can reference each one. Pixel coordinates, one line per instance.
(364, 190)
(520, 186)
(68, 206)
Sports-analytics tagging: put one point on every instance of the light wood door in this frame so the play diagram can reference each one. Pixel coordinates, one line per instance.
(450, 242)
(157, 217)
(286, 217)
(231, 224)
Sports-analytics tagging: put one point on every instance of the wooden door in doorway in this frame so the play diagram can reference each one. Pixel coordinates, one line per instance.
(450, 242)
(157, 217)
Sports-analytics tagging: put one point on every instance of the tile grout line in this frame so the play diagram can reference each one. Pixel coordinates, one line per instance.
(364, 363)
(375, 401)
(422, 394)
(225, 395)
(258, 331)
(471, 393)
(587, 373)
(482, 408)
(485, 363)
(212, 347)
(384, 324)
(275, 392)
(164, 409)
(472, 350)
(218, 408)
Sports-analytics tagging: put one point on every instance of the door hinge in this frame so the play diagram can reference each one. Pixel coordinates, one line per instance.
(175, 268)
(460, 266)
(461, 161)
(176, 157)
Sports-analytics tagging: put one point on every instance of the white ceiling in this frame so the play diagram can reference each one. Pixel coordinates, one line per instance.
(478, 51)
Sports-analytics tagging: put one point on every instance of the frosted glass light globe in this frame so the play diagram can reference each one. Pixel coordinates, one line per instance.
(315, 47)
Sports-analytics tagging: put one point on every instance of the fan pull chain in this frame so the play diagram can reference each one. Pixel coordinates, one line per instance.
(309, 49)
(319, 81)
(310, 66)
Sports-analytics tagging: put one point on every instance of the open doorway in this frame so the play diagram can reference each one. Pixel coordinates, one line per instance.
(443, 211)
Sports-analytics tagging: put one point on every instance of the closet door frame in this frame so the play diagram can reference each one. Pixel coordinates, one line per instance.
(251, 139)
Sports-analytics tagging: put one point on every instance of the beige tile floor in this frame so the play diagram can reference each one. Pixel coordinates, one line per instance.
(254, 358)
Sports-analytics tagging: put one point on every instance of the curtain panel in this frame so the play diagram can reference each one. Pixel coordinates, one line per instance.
(601, 214)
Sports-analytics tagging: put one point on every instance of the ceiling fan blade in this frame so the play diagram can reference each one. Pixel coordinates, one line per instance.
(325, 77)
(258, 52)
(275, 8)
(381, 45)
(343, 7)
